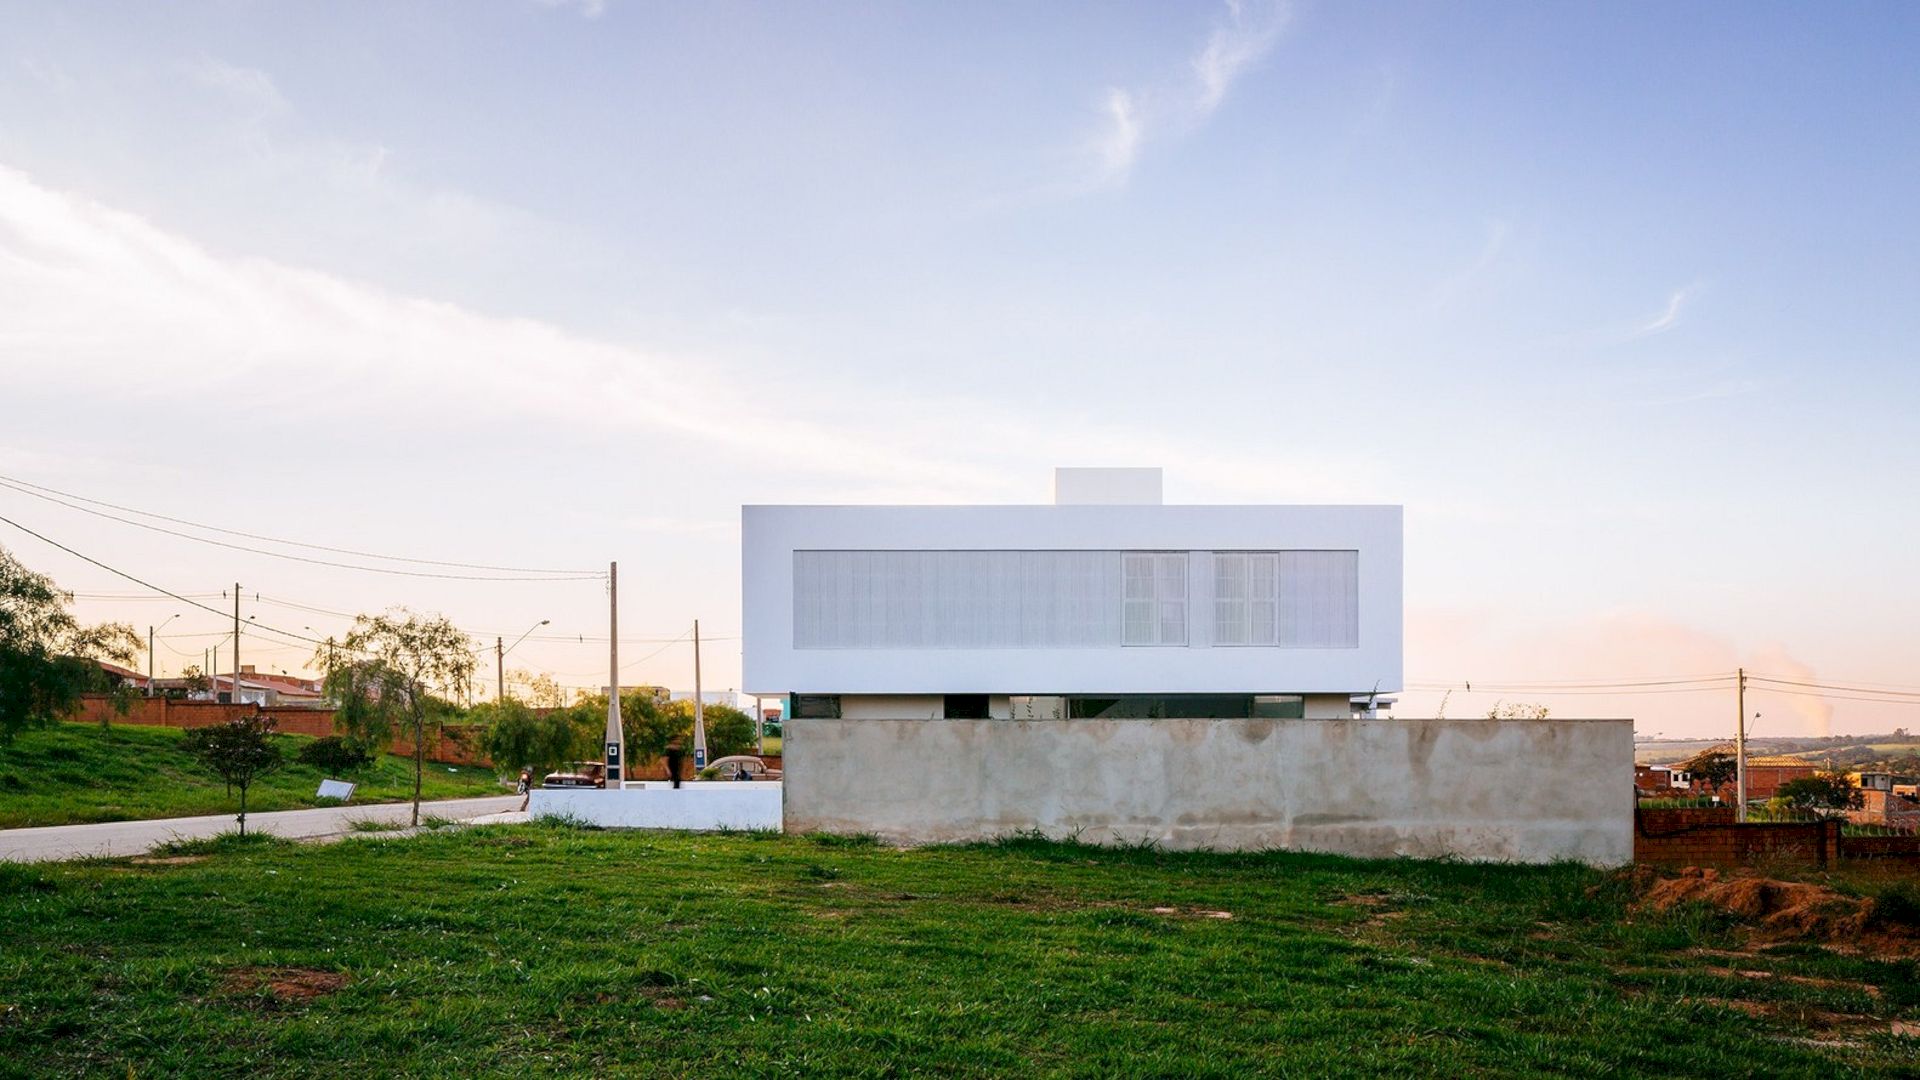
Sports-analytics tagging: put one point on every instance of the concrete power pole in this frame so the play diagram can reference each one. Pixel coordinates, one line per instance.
(615, 737)
(149, 660)
(236, 643)
(500, 669)
(1740, 749)
(699, 708)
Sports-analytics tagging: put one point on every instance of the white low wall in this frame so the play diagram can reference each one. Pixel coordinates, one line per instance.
(1503, 790)
(696, 805)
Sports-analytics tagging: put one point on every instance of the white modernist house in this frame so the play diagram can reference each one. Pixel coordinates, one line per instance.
(1106, 604)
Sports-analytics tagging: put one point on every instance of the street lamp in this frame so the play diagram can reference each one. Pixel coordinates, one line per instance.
(151, 630)
(500, 658)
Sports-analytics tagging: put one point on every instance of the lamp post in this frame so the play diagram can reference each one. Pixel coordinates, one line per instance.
(500, 658)
(151, 631)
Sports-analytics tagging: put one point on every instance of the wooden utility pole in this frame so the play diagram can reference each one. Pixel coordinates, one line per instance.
(1740, 748)
(615, 737)
(699, 707)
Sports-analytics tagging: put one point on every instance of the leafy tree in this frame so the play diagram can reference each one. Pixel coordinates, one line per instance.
(395, 673)
(1828, 791)
(238, 751)
(195, 680)
(537, 689)
(518, 737)
(47, 658)
(1715, 767)
(1516, 710)
(729, 731)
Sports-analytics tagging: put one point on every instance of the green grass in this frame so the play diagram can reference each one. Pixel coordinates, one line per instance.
(550, 951)
(770, 745)
(72, 773)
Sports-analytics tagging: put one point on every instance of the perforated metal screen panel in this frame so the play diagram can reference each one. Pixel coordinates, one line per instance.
(1070, 599)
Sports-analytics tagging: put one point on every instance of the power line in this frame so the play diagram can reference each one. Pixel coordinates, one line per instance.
(294, 543)
(1568, 684)
(1915, 693)
(1835, 697)
(151, 585)
(545, 575)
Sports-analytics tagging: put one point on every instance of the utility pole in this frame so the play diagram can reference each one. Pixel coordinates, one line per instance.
(699, 708)
(1740, 748)
(236, 643)
(615, 737)
(149, 659)
(500, 669)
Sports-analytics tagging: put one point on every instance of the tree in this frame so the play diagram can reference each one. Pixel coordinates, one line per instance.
(1516, 710)
(238, 751)
(1822, 791)
(395, 673)
(729, 731)
(195, 680)
(537, 689)
(518, 737)
(1716, 767)
(47, 658)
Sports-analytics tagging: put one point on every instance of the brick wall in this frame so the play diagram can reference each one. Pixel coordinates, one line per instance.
(1709, 836)
(454, 745)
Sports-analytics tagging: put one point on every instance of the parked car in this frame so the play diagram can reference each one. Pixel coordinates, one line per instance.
(731, 768)
(578, 774)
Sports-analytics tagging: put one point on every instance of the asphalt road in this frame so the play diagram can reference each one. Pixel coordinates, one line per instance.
(55, 842)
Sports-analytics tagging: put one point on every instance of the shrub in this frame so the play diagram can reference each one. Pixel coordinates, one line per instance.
(334, 754)
(1898, 905)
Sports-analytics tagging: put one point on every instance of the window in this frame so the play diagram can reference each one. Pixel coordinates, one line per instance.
(1154, 597)
(816, 706)
(965, 707)
(1292, 599)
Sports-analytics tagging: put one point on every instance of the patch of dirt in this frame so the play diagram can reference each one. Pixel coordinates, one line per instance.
(1832, 1030)
(1774, 910)
(285, 985)
(168, 860)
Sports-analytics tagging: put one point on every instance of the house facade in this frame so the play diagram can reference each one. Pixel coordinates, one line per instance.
(1105, 604)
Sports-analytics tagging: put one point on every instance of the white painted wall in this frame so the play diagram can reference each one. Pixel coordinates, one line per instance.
(771, 534)
(1503, 790)
(699, 805)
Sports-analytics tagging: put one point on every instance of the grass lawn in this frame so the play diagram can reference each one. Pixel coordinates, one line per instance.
(73, 773)
(770, 745)
(543, 950)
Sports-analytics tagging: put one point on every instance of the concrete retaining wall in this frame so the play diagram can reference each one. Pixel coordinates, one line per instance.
(1506, 790)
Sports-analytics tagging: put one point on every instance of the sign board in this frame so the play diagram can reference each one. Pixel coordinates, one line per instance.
(335, 789)
(699, 758)
(613, 763)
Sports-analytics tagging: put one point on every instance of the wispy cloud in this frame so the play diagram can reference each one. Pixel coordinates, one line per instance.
(252, 89)
(1235, 45)
(1669, 317)
(1118, 142)
(588, 9)
(1241, 36)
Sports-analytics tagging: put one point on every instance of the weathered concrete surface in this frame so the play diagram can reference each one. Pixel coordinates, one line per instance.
(1504, 790)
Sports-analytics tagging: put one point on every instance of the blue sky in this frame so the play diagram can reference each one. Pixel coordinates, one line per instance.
(1617, 299)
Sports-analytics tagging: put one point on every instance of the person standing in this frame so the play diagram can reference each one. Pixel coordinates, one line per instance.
(675, 755)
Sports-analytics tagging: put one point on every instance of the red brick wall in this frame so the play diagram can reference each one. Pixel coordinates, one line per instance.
(1709, 836)
(454, 746)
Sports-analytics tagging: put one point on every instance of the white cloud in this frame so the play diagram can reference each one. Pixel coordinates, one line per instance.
(91, 296)
(588, 9)
(1240, 38)
(252, 89)
(1119, 142)
(1235, 45)
(1668, 318)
